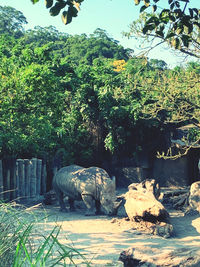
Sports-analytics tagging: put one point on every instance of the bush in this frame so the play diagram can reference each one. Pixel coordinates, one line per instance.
(21, 244)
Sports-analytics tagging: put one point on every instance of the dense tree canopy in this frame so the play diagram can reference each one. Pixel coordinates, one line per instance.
(176, 22)
(87, 97)
(11, 21)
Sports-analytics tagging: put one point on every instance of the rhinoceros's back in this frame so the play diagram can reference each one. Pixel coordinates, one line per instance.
(73, 179)
(66, 179)
(71, 169)
(94, 174)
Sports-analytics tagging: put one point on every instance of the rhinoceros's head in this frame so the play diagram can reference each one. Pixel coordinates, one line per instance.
(108, 197)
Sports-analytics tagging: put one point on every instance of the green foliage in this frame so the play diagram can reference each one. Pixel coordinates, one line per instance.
(87, 96)
(22, 244)
(56, 6)
(11, 21)
(176, 24)
(34, 1)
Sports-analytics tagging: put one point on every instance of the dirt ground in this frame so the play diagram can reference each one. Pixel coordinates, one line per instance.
(103, 238)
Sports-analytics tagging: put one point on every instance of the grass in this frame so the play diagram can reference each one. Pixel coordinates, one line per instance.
(21, 245)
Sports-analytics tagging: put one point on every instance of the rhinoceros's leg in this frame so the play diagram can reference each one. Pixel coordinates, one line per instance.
(71, 204)
(98, 207)
(89, 202)
(60, 200)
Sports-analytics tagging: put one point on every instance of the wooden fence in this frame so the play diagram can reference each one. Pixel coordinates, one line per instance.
(22, 179)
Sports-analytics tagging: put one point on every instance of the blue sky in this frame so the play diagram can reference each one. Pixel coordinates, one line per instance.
(114, 16)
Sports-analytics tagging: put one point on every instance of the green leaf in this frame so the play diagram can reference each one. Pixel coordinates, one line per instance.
(153, 20)
(196, 10)
(147, 3)
(177, 46)
(177, 4)
(76, 5)
(54, 11)
(142, 8)
(72, 11)
(178, 12)
(137, 2)
(34, 1)
(145, 29)
(176, 43)
(179, 29)
(191, 12)
(48, 3)
(148, 27)
(186, 40)
(169, 35)
(66, 17)
(172, 18)
(160, 33)
(188, 28)
(154, 7)
(164, 13)
(172, 6)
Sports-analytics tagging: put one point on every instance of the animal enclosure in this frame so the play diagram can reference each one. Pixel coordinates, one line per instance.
(22, 178)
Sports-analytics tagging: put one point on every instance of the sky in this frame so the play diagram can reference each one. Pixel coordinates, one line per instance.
(114, 16)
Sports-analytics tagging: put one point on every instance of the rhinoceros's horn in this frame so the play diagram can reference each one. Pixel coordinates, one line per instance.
(117, 204)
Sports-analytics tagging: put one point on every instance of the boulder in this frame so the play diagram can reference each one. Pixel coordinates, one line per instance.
(175, 198)
(141, 203)
(153, 257)
(194, 197)
(149, 184)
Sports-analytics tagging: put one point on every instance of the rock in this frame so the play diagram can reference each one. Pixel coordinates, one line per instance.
(141, 204)
(145, 212)
(162, 229)
(191, 212)
(175, 198)
(181, 201)
(194, 197)
(149, 184)
(154, 257)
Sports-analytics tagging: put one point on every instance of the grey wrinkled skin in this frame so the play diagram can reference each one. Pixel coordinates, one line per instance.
(92, 185)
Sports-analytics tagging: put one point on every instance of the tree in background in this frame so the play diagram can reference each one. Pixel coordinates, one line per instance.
(11, 21)
(176, 23)
(62, 95)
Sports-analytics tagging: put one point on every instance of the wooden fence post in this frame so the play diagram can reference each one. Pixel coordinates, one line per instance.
(13, 184)
(44, 179)
(17, 179)
(20, 178)
(27, 174)
(1, 181)
(38, 176)
(33, 167)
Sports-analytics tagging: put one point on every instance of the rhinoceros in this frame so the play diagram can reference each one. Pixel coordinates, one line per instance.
(92, 185)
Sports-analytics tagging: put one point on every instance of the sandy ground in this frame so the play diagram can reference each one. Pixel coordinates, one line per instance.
(103, 238)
